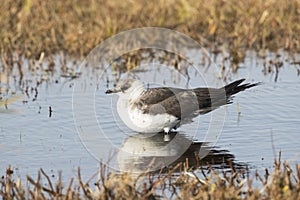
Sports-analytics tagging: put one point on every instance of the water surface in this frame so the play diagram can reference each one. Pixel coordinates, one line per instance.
(83, 134)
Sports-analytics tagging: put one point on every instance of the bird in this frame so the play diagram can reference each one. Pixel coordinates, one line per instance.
(163, 109)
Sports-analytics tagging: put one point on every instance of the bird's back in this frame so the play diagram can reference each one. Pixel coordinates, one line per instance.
(188, 103)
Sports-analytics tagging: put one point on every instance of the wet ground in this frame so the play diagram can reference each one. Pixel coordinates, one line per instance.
(69, 122)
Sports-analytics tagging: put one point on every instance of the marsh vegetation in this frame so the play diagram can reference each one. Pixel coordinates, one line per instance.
(43, 42)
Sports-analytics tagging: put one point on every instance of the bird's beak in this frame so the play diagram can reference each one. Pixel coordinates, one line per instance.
(114, 90)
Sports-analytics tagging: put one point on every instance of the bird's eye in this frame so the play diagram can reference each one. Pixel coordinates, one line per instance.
(125, 87)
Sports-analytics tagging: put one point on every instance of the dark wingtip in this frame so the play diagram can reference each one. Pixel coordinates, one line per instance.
(236, 87)
(249, 85)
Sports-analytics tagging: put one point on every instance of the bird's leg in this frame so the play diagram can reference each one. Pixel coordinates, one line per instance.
(167, 134)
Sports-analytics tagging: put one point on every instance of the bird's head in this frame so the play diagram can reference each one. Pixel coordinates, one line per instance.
(127, 86)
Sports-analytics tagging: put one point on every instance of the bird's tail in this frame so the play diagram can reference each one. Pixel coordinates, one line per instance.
(236, 87)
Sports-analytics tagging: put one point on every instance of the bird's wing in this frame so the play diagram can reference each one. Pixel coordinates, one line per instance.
(210, 99)
(157, 95)
(189, 103)
(186, 104)
(180, 104)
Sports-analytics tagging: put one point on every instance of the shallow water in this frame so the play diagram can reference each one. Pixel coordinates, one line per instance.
(84, 127)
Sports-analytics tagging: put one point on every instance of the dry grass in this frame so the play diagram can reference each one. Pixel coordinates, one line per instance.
(30, 27)
(282, 183)
(40, 30)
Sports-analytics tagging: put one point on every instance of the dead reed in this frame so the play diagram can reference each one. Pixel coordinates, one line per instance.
(282, 183)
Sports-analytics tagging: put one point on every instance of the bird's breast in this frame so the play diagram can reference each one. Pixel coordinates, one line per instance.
(135, 117)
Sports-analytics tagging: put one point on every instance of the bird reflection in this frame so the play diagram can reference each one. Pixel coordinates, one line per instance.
(152, 152)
